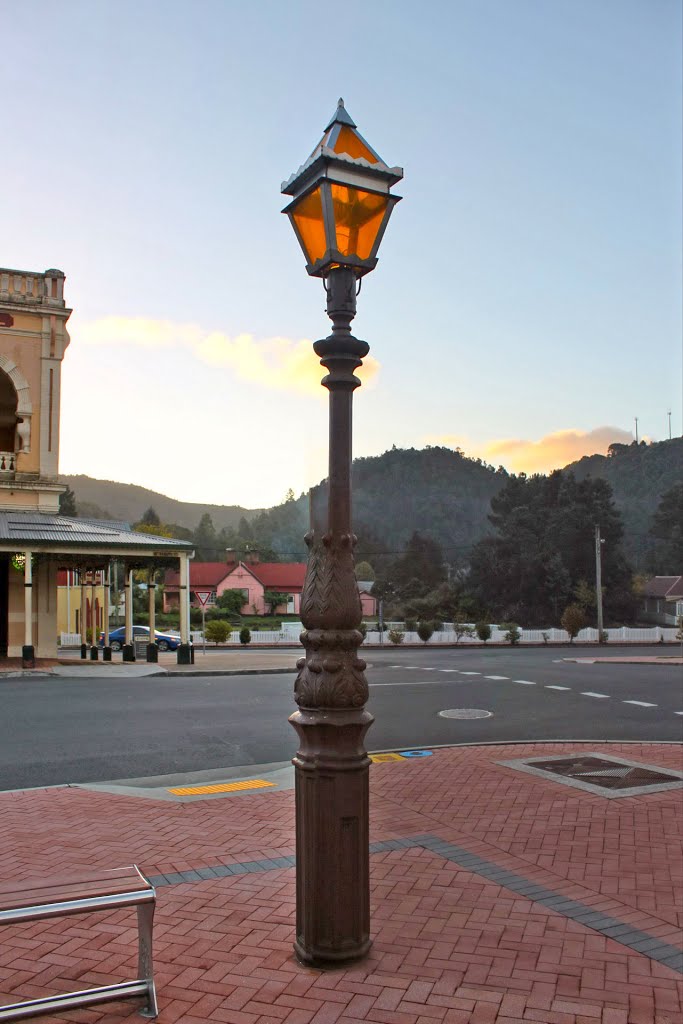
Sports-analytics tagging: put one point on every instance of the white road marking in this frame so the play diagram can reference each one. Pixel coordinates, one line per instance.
(588, 693)
(639, 703)
(496, 677)
(448, 670)
(470, 673)
(558, 687)
(429, 670)
(524, 682)
(432, 682)
(678, 712)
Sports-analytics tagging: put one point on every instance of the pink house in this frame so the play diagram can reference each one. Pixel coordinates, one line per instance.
(253, 578)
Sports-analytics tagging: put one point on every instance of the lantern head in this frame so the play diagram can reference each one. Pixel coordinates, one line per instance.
(341, 200)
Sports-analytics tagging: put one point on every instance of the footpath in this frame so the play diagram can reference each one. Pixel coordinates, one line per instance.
(498, 897)
(255, 661)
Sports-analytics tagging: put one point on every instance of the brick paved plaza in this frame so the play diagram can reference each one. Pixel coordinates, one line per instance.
(497, 897)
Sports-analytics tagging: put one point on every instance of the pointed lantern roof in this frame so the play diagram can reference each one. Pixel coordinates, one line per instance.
(342, 143)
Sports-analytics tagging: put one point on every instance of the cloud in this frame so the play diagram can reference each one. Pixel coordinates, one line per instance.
(550, 452)
(283, 364)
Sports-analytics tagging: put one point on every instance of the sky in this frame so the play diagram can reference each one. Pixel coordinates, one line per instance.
(527, 302)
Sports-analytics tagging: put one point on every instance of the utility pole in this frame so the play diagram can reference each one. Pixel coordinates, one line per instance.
(598, 579)
(669, 415)
(636, 419)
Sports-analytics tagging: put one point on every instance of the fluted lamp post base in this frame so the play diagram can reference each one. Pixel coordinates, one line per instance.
(332, 841)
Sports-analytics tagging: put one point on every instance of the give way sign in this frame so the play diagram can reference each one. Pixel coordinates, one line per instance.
(203, 597)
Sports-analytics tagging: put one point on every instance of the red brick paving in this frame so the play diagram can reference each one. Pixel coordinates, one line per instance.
(450, 947)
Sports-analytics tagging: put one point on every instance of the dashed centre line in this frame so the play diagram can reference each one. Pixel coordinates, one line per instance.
(521, 682)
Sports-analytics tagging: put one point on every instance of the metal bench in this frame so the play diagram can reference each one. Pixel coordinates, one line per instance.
(101, 890)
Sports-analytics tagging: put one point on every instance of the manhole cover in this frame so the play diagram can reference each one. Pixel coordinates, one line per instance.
(602, 774)
(465, 713)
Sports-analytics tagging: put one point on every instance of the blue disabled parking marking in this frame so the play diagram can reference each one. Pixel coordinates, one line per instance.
(415, 753)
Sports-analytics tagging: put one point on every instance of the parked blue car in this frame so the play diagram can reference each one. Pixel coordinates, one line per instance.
(117, 638)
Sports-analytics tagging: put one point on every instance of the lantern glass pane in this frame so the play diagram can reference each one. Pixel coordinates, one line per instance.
(349, 143)
(308, 217)
(358, 216)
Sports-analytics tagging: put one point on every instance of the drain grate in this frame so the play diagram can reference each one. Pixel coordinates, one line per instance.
(601, 774)
(605, 773)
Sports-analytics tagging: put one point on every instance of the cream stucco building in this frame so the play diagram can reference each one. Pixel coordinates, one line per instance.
(35, 540)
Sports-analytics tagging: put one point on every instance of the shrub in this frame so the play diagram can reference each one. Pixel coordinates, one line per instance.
(396, 636)
(217, 631)
(411, 626)
(483, 631)
(512, 633)
(573, 619)
(363, 629)
(438, 625)
(461, 629)
(546, 637)
(245, 635)
(424, 631)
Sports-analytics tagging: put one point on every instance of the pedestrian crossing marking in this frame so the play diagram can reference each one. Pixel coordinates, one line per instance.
(222, 787)
(405, 755)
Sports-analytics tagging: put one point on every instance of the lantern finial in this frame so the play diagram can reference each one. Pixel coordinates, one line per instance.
(341, 116)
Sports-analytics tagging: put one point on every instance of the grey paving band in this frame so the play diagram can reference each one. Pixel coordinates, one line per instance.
(611, 927)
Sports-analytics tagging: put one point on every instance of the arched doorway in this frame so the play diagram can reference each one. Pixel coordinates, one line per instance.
(8, 413)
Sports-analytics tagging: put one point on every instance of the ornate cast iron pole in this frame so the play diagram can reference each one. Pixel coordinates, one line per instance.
(333, 889)
(340, 210)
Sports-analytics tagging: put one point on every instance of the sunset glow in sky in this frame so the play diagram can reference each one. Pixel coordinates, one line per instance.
(527, 302)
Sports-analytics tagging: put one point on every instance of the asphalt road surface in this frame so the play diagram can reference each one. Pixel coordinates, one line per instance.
(60, 730)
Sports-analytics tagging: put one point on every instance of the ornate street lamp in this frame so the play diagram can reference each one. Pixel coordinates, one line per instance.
(340, 208)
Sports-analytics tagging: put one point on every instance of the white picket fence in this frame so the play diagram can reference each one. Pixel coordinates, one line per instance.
(288, 635)
(625, 634)
(552, 635)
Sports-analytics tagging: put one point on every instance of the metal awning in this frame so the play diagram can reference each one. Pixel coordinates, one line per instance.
(97, 539)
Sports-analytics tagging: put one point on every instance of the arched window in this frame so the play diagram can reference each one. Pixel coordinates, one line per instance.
(8, 413)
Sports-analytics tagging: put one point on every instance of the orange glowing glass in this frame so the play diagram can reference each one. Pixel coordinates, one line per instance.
(349, 143)
(358, 216)
(308, 218)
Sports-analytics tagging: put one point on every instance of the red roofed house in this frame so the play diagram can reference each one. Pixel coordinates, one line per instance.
(253, 578)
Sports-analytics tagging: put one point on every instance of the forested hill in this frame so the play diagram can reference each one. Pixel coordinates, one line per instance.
(436, 491)
(107, 499)
(639, 474)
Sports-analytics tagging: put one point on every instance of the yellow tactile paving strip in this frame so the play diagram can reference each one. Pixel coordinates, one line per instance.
(223, 787)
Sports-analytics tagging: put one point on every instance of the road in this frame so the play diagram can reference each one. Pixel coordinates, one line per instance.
(62, 730)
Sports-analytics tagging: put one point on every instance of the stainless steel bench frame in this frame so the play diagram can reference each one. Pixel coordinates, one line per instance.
(145, 900)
